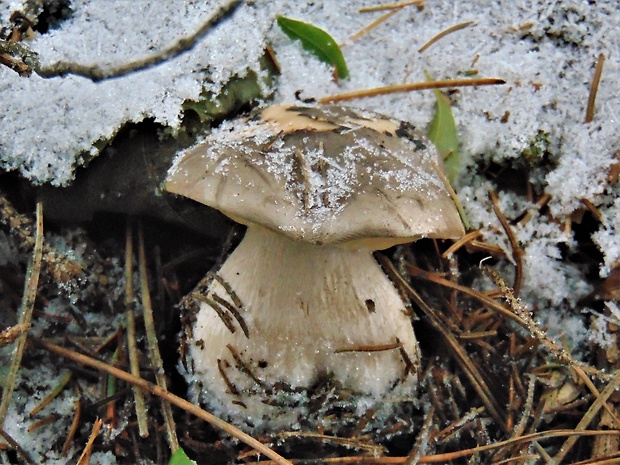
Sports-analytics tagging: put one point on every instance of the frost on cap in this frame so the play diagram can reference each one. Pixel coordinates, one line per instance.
(321, 174)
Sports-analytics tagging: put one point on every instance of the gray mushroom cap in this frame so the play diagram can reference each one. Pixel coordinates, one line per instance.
(323, 175)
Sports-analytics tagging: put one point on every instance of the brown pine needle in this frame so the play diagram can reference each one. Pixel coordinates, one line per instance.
(414, 86)
(456, 426)
(168, 396)
(151, 337)
(478, 334)
(452, 192)
(132, 345)
(88, 449)
(29, 297)
(607, 459)
(448, 456)
(75, 424)
(442, 34)
(373, 449)
(392, 6)
(540, 203)
(422, 440)
(143, 426)
(375, 348)
(598, 71)
(48, 420)
(466, 239)
(366, 29)
(492, 249)
(595, 211)
(600, 402)
(15, 445)
(517, 252)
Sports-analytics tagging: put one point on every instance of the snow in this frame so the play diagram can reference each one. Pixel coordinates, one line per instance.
(40, 442)
(56, 121)
(546, 51)
(548, 65)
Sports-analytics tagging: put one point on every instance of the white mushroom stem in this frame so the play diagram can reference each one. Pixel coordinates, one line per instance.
(310, 311)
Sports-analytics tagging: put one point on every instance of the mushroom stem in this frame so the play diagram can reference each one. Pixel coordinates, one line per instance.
(311, 312)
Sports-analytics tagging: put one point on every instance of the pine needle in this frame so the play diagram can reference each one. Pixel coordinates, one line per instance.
(442, 34)
(88, 449)
(369, 27)
(30, 294)
(391, 6)
(132, 346)
(169, 397)
(598, 71)
(15, 445)
(414, 86)
(151, 337)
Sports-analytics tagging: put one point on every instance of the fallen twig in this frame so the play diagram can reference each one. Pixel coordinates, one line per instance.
(96, 73)
(517, 252)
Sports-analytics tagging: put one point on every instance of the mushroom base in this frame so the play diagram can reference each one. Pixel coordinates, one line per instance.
(288, 327)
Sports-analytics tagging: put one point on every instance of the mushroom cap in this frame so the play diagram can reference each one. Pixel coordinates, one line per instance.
(322, 174)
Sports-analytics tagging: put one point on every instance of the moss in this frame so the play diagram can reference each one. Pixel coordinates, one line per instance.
(538, 150)
(237, 93)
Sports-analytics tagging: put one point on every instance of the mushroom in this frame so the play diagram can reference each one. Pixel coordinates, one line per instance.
(301, 302)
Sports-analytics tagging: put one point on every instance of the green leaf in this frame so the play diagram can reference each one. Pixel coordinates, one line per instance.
(180, 458)
(316, 41)
(443, 134)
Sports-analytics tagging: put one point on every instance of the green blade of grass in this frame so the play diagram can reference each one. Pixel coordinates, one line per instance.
(316, 41)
